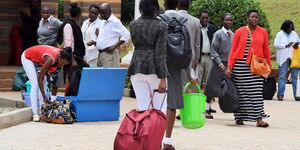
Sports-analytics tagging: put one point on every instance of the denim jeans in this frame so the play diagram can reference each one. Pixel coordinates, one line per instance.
(282, 78)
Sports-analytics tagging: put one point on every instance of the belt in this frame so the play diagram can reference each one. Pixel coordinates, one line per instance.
(206, 54)
(101, 50)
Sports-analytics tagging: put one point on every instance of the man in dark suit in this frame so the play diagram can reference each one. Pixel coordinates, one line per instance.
(207, 32)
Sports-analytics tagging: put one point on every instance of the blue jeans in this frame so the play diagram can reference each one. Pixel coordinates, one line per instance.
(282, 78)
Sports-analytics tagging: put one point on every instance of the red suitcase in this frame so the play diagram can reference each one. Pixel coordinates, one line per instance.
(141, 130)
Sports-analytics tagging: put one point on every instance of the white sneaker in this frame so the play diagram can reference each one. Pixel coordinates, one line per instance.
(36, 118)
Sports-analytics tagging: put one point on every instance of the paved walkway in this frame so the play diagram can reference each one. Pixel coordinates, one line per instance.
(218, 134)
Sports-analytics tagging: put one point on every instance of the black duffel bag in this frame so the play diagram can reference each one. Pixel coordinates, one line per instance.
(269, 88)
(229, 99)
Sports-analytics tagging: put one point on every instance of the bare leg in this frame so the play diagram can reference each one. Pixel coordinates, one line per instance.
(171, 114)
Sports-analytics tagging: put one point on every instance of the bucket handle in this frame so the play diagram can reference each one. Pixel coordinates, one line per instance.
(189, 84)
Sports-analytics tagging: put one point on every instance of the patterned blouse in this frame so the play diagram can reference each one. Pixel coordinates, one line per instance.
(149, 37)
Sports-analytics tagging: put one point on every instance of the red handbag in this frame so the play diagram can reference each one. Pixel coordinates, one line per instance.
(141, 130)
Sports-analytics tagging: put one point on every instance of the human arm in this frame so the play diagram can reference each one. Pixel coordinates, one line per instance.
(41, 76)
(123, 34)
(234, 45)
(266, 49)
(215, 51)
(197, 45)
(68, 36)
(160, 52)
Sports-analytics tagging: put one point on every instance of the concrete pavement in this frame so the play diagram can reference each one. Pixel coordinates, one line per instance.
(218, 134)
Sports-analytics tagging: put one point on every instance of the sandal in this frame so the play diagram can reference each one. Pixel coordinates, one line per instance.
(262, 124)
(239, 122)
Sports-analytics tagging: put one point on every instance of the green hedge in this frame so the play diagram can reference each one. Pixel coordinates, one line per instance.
(127, 11)
(238, 8)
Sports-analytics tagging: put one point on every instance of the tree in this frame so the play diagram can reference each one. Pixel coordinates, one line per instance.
(127, 11)
(238, 8)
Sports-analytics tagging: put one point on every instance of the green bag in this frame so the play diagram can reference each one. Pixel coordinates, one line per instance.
(20, 79)
(193, 114)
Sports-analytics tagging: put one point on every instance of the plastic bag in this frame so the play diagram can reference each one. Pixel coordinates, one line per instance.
(296, 58)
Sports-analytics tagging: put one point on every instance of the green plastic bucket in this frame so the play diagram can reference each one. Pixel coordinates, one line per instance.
(193, 114)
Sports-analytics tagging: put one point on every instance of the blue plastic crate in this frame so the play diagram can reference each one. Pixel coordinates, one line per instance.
(99, 94)
(28, 100)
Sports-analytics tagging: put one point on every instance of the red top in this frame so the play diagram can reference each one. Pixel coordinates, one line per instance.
(37, 54)
(259, 43)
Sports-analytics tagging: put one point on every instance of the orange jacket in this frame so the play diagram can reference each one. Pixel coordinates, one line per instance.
(259, 43)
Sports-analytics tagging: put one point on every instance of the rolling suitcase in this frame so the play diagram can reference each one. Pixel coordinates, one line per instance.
(141, 130)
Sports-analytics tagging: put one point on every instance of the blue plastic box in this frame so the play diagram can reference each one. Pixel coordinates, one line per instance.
(28, 100)
(99, 94)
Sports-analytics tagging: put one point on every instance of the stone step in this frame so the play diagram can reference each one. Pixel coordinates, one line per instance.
(5, 89)
(7, 75)
(6, 83)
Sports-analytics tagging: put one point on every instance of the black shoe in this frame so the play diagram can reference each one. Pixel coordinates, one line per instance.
(178, 117)
(212, 110)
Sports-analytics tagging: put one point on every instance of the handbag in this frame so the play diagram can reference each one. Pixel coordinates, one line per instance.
(58, 112)
(258, 66)
(229, 98)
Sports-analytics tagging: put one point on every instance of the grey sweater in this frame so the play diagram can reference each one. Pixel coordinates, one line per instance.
(220, 47)
(47, 32)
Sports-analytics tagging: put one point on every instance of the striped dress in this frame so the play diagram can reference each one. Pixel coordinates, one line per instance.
(250, 90)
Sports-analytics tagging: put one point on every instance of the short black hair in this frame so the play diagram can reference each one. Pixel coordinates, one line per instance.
(149, 7)
(172, 4)
(94, 6)
(184, 3)
(75, 11)
(252, 11)
(203, 11)
(286, 25)
(224, 15)
(66, 53)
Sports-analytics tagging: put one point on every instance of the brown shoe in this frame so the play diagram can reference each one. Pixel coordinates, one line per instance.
(280, 98)
(168, 147)
(262, 124)
(208, 115)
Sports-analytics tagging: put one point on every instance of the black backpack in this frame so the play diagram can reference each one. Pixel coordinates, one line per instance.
(269, 88)
(179, 53)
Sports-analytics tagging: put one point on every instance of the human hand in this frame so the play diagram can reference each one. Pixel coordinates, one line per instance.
(162, 86)
(296, 45)
(228, 72)
(91, 43)
(288, 45)
(222, 68)
(110, 49)
(45, 100)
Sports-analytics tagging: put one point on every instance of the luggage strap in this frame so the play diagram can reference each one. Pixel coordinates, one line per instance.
(151, 101)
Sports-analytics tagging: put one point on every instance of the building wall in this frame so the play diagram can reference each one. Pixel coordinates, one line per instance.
(85, 4)
(9, 16)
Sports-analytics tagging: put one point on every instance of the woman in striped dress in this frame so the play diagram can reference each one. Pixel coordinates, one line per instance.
(246, 40)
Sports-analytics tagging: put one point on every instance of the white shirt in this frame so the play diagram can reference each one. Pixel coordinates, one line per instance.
(205, 42)
(111, 32)
(225, 30)
(89, 33)
(49, 18)
(281, 40)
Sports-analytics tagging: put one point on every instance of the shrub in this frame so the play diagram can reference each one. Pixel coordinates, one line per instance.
(238, 8)
(127, 11)
(61, 9)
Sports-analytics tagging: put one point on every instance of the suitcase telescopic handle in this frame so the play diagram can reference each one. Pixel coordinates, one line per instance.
(151, 100)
